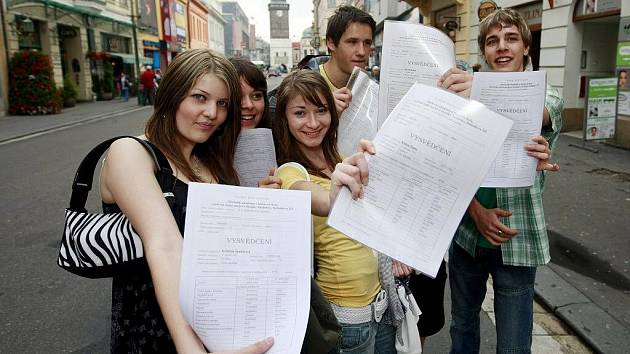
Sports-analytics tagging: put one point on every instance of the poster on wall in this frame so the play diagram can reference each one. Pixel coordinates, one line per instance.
(601, 108)
(623, 105)
(623, 54)
(147, 16)
(622, 79)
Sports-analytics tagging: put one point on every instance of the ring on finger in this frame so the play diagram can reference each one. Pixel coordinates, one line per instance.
(500, 233)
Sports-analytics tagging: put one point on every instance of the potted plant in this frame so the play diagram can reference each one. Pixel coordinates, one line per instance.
(70, 92)
(108, 80)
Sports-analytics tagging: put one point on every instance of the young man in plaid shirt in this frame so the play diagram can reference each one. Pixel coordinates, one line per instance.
(503, 233)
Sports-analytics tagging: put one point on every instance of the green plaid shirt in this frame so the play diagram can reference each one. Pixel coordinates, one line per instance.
(531, 246)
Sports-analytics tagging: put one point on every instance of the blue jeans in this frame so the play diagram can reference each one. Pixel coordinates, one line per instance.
(513, 300)
(366, 338)
(125, 94)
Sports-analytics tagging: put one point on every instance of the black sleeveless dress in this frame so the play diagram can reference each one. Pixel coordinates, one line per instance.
(137, 323)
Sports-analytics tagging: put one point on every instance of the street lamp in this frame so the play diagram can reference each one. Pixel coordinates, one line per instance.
(134, 8)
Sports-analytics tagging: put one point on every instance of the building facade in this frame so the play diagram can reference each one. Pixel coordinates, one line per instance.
(280, 45)
(567, 43)
(216, 25)
(236, 30)
(306, 43)
(263, 51)
(149, 32)
(296, 52)
(79, 36)
(198, 24)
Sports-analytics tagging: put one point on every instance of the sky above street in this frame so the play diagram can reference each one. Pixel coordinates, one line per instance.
(300, 16)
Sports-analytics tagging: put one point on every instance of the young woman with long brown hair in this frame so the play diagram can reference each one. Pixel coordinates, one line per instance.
(195, 124)
(305, 128)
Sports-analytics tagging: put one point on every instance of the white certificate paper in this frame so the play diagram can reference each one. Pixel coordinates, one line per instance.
(254, 156)
(411, 53)
(245, 272)
(431, 155)
(519, 96)
(359, 120)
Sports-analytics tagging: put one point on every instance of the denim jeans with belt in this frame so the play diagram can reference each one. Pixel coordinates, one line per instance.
(366, 338)
(513, 300)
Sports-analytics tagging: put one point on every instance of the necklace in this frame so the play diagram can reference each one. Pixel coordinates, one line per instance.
(196, 168)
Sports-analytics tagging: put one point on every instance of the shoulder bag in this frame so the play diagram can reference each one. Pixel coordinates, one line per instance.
(101, 245)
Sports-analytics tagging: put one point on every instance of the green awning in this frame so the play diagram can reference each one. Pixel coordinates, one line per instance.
(131, 58)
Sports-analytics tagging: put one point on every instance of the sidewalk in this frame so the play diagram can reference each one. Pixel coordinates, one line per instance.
(587, 207)
(12, 127)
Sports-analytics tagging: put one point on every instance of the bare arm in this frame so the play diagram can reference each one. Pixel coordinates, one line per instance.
(352, 173)
(128, 177)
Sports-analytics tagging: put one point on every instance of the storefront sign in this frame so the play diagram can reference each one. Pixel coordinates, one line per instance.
(601, 108)
(532, 13)
(623, 54)
(115, 44)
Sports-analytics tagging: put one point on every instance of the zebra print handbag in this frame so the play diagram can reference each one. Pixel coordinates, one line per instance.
(102, 245)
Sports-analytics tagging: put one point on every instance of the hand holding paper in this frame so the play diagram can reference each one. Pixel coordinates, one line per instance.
(245, 272)
(519, 96)
(432, 154)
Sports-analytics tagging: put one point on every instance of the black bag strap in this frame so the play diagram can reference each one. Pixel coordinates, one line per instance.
(84, 177)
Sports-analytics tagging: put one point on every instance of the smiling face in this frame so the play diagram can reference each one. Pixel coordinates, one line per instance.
(504, 49)
(354, 48)
(252, 105)
(308, 123)
(203, 110)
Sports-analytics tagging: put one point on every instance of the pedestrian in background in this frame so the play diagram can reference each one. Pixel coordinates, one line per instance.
(148, 84)
(503, 233)
(124, 86)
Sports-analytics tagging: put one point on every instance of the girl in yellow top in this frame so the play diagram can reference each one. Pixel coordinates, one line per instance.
(305, 129)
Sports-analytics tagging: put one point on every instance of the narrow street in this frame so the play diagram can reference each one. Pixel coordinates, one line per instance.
(67, 313)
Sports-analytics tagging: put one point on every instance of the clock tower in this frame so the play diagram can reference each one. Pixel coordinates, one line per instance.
(280, 46)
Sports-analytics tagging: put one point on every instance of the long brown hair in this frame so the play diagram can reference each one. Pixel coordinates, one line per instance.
(217, 153)
(309, 85)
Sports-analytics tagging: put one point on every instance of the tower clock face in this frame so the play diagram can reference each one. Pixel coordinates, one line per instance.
(279, 13)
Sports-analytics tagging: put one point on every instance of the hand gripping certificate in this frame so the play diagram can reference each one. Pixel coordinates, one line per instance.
(411, 53)
(245, 271)
(359, 120)
(255, 155)
(431, 155)
(519, 96)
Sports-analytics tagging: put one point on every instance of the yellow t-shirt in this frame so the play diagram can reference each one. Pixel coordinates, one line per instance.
(347, 271)
(322, 71)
